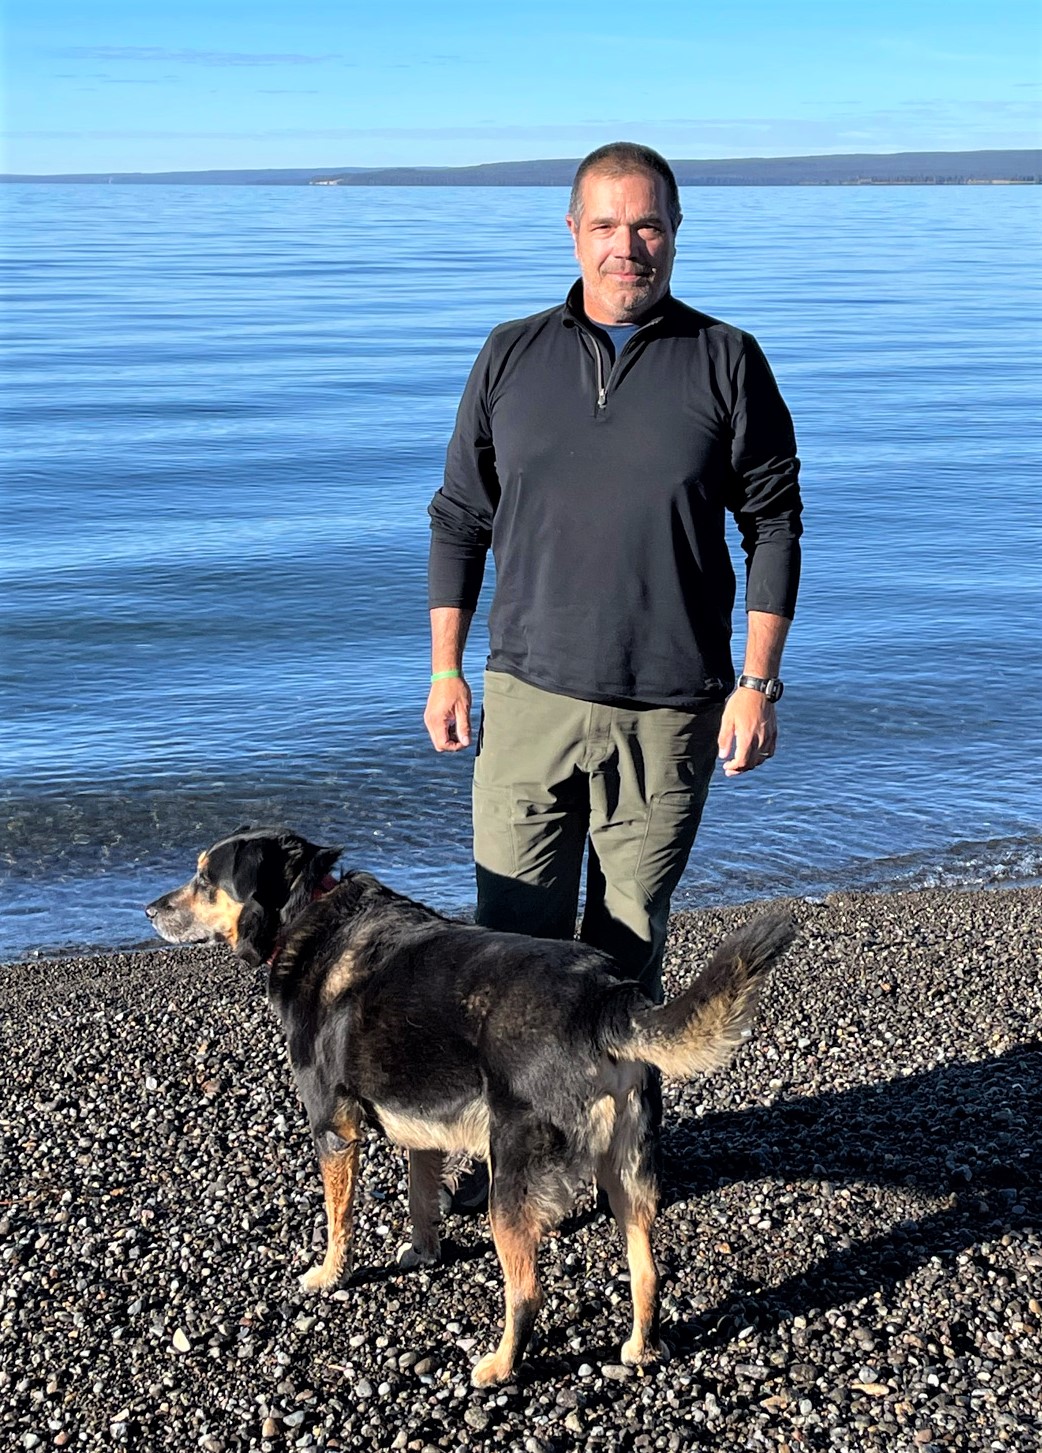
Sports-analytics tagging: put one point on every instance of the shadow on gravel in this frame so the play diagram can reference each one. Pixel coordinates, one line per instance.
(452, 1254)
(971, 1132)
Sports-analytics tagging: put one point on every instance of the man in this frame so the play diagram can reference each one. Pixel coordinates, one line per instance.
(596, 450)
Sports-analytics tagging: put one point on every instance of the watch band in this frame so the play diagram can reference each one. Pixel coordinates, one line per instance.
(771, 687)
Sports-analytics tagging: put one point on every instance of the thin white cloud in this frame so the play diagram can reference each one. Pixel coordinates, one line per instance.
(151, 53)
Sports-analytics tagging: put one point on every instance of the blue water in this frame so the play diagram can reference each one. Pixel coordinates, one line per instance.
(226, 410)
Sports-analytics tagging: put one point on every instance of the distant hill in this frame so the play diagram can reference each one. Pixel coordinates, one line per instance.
(908, 168)
(265, 177)
(924, 167)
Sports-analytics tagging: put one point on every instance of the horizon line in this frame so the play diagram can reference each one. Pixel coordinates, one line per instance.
(427, 168)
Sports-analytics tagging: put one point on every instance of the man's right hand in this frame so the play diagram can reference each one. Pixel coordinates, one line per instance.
(447, 717)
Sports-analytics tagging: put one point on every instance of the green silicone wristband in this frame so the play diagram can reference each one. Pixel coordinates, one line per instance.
(443, 675)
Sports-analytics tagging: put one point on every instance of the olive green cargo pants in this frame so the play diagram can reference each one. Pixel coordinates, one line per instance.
(556, 779)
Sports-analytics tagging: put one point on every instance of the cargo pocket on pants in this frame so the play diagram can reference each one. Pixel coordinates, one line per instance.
(669, 835)
(495, 848)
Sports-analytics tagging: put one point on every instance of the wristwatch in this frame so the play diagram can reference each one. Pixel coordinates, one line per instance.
(772, 688)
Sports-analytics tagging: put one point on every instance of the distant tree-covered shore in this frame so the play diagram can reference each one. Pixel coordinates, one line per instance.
(903, 168)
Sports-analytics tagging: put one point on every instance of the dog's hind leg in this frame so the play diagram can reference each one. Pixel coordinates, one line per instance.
(636, 1216)
(530, 1191)
(517, 1246)
(425, 1173)
(337, 1149)
(627, 1173)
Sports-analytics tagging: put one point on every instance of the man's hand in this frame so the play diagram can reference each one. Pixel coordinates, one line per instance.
(447, 717)
(748, 731)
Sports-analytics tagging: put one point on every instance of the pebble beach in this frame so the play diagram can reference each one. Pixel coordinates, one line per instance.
(850, 1240)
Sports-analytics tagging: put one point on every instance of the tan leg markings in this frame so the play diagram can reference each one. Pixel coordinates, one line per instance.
(517, 1245)
(425, 1167)
(339, 1176)
(643, 1344)
(634, 1209)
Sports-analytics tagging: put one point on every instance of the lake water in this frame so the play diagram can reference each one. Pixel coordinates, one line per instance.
(226, 411)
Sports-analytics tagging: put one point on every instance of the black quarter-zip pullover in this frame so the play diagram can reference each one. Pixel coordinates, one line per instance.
(602, 490)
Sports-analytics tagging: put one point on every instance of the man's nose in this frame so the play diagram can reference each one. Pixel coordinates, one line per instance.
(627, 240)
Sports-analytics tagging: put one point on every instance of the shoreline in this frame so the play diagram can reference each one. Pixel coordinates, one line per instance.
(851, 1232)
(61, 953)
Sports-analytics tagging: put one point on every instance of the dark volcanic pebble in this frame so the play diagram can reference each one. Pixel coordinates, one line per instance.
(851, 1238)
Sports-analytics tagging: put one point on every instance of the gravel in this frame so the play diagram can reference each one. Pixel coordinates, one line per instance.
(851, 1238)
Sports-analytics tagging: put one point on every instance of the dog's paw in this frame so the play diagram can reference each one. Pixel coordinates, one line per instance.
(637, 1353)
(489, 1371)
(409, 1257)
(323, 1278)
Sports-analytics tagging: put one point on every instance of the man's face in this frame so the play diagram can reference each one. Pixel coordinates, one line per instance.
(624, 243)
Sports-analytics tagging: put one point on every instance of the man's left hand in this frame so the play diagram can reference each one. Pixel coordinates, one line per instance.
(748, 731)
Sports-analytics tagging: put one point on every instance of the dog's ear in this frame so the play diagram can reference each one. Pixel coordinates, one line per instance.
(324, 860)
(312, 866)
(258, 929)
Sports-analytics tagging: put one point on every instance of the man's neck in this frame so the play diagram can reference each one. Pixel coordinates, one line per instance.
(630, 321)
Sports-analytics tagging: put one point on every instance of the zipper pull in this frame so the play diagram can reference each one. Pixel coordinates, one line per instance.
(601, 398)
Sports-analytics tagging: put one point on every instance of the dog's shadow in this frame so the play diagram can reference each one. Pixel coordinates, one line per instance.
(970, 1133)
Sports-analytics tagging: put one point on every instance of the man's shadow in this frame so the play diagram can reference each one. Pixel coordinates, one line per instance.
(971, 1133)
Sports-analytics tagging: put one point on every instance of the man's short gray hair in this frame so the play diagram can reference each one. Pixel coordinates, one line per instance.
(622, 159)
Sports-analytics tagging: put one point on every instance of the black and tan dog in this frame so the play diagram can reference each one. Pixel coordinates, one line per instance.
(527, 1053)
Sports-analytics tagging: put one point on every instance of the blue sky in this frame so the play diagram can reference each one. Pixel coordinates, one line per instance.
(121, 85)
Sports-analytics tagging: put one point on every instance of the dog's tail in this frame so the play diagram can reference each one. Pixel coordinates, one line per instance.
(702, 1028)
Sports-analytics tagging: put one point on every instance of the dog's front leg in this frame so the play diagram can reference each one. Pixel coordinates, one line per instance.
(338, 1148)
(425, 1173)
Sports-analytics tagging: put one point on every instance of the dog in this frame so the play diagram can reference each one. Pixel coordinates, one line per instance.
(529, 1054)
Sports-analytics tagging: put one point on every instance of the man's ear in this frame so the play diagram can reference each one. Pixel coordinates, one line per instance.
(258, 928)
